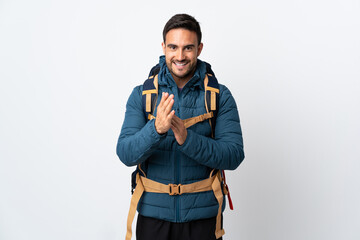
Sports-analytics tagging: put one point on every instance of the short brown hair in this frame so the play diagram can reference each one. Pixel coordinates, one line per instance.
(183, 21)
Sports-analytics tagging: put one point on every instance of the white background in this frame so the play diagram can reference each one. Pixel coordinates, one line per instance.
(67, 68)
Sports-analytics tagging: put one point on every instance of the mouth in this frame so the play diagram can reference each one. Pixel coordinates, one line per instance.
(180, 65)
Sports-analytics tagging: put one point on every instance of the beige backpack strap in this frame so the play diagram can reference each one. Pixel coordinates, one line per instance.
(216, 186)
(148, 93)
(139, 190)
(213, 92)
(144, 184)
(206, 82)
(177, 189)
(192, 121)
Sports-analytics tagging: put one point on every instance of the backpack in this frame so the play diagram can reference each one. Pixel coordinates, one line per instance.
(216, 182)
(149, 99)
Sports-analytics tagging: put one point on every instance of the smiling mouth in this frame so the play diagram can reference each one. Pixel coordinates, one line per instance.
(180, 64)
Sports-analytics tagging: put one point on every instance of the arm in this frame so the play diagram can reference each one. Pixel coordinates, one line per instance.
(226, 150)
(138, 138)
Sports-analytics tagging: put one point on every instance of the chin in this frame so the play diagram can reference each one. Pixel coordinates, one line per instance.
(181, 74)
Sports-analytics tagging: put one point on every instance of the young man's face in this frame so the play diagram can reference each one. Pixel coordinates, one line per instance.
(181, 50)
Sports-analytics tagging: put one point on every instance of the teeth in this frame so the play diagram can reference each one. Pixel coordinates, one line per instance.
(180, 64)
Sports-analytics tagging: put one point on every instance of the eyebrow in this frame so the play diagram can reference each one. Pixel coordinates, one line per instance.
(173, 45)
(190, 45)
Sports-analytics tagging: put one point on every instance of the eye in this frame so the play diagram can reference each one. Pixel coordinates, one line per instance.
(172, 47)
(188, 48)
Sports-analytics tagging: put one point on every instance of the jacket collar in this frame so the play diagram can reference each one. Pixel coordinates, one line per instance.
(165, 77)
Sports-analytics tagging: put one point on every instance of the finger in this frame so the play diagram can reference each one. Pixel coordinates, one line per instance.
(176, 126)
(176, 118)
(168, 105)
(170, 116)
(177, 121)
(164, 96)
(174, 122)
(174, 129)
(168, 100)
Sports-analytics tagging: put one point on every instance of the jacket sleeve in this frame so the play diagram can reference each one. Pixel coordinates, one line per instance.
(225, 151)
(138, 138)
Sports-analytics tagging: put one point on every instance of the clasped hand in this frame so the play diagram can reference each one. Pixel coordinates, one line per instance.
(166, 119)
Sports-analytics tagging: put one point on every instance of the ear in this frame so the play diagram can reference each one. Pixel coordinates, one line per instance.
(163, 47)
(200, 47)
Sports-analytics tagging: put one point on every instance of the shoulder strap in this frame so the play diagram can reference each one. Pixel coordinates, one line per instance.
(211, 98)
(150, 92)
(212, 105)
(149, 96)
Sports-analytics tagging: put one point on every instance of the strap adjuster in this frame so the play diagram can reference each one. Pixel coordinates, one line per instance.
(174, 189)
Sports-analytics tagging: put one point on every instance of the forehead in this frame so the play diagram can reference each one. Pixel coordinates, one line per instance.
(181, 36)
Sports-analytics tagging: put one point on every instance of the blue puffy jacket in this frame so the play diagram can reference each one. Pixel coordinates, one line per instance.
(165, 161)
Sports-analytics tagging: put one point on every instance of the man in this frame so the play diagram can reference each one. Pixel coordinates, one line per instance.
(173, 156)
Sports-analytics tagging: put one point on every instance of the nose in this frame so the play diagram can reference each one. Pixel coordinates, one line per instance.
(180, 55)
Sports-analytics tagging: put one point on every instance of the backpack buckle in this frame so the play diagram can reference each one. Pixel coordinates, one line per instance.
(174, 189)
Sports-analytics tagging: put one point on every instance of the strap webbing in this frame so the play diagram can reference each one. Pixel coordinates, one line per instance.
(139, 190)
(206, 82)
(148, 102)
(148, 185)
(177, 189)
(212, 93)
(151, 96)
(216, 186)
(213, 101)
(191, 121)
